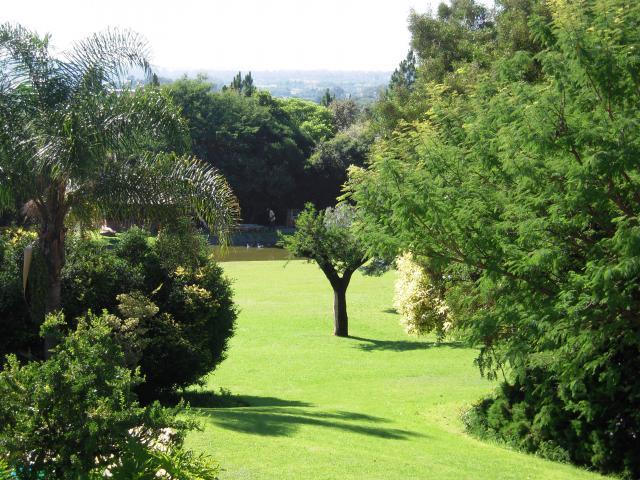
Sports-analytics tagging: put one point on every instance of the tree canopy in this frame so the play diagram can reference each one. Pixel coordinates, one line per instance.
(260, 143)
(511, 168)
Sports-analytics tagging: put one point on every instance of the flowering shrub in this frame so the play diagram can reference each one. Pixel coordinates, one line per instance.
(185, 314)
(418, 301)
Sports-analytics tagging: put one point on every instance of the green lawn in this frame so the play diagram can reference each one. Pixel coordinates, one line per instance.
(380, 405)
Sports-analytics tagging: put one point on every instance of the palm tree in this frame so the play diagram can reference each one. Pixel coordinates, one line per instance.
(78, 142)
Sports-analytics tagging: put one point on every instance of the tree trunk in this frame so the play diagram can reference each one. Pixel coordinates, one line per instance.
(340, 318)
(52, 237)
(339, 285)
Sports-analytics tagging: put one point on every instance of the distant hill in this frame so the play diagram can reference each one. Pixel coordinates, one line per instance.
(308, 84)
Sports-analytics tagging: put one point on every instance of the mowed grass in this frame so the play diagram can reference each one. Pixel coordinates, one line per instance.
(379, 405)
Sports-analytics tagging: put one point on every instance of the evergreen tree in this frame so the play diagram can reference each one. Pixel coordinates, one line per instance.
(405, 75)
(327, 99)
(236, 83)
(247, 85)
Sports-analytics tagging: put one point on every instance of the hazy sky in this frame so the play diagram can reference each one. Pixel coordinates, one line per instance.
(238, 34)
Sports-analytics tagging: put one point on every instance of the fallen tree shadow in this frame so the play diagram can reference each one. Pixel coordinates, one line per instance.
(284, 421)
(370, 345)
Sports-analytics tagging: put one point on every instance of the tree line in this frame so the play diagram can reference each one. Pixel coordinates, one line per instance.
(277, 154)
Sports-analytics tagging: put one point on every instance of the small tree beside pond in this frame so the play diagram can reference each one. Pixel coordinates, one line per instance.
(326, 238)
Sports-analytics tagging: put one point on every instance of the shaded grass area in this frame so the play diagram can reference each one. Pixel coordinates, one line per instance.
(286, 421)
(298, 403)
(370, 344)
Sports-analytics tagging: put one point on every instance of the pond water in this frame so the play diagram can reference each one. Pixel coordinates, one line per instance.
(239, 254)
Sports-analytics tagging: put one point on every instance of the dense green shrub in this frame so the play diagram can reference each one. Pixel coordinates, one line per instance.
(528, 415)
(540, 414)
(75, 415)
(94, 274)
(189, 336)
(194, 315)
(179, 245)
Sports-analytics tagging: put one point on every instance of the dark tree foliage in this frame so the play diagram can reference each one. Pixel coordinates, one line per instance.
(449, 49)
(458, 35)
(261, 144)
(328, 97)
(325, 237)
(513, 28)
(243, 86)
(327, 169)
(186, 337)
(521, 191)
(345, 113)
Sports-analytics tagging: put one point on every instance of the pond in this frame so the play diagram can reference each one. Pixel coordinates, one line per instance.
(240, 254)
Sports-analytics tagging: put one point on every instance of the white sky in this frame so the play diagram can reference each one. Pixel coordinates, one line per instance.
(238, 34)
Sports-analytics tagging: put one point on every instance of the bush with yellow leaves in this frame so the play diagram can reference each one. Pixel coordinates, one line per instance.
(418, 301)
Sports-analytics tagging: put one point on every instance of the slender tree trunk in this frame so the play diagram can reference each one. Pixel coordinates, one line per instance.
(339, 285)
(340, 318)
(52, 236)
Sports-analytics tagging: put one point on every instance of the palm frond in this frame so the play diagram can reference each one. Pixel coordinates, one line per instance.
(24, 55)
(107, 57)
(161, 187)
(142, 114)
(208, 193)
(75, 142)
(28, 69)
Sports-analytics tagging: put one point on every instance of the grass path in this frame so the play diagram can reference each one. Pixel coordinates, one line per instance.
(380, 405)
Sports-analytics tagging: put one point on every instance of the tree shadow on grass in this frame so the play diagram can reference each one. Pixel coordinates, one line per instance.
(284, 421)
(226, 399)
(371, 345)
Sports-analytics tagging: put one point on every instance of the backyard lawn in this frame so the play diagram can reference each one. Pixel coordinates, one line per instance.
(378, 405)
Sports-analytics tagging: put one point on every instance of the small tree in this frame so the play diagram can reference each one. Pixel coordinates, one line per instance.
(325, 237)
